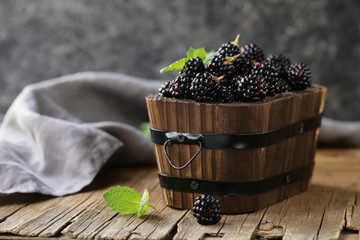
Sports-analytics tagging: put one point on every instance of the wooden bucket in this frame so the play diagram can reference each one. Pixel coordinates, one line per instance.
(248, 155)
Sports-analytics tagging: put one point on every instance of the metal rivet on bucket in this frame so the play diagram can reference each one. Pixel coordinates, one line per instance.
(194, 185)
(301, 127)
(287, 178)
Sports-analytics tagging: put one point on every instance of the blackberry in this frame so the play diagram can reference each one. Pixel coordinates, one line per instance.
(281, 62)
(164, 90)
(204, 89)
(180, 87)
(230, 49)
(250, 88)
(299, 76)
(207, 210)
(193, 67)
(270, 76)
(220, 66)
(252, 52)
(284, 85)
(228, 90)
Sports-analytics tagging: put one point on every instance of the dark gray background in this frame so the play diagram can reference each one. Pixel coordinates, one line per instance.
(42, 39)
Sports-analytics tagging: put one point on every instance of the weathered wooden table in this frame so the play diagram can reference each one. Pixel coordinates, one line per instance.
(330, 209)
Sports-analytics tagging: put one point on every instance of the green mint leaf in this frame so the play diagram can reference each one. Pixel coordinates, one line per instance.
(123, 200)
(191, 53)
(198, 52)
(126, 200)
(209, 56)
(178, 65)
(144, 203)
(201, 53)
(145, 128)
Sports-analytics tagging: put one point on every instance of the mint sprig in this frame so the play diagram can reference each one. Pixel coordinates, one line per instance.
(191, 53)
(126, 200)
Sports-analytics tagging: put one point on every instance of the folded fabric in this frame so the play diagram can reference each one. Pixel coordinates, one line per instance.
(57, 134)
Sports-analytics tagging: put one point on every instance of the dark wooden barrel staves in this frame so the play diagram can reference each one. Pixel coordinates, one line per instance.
(252, 164)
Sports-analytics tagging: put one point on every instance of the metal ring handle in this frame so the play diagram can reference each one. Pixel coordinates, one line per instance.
(184, 166)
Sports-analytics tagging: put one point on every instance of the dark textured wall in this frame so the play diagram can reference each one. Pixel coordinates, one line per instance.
(42, 39)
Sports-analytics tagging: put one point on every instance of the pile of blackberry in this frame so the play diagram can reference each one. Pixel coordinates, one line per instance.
(237, 74)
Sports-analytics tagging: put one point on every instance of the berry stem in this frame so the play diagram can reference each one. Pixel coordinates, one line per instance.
(236, 41)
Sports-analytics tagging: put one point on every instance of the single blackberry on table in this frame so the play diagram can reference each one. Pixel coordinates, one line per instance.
(164, 90)
(299, 76)
(192, 67)
(252, 52)
(204, 88)
(270, 76)
(250, 88)
(207, 210)
(180, 87)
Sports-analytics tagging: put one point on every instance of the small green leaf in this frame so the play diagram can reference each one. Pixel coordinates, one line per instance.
(209, 56)
(123, 200)
(191, 52)
(144, 203)
(126, 200)
(178, 65)
(201, 53)
(145, 128)
(198, 52)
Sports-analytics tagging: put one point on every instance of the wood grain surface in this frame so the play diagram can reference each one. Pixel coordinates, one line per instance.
(329, 209)
(174, 115)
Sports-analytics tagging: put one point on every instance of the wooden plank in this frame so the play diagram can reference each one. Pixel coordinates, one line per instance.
(241, 226)
(334, 217)
(338, 168)
(158, 224)
(155, 225)
(67, 207)
(353, 214)
(98, 215)
(301, 216)
(331, 203)
(11, 203)
(58, 216)
(188, 228)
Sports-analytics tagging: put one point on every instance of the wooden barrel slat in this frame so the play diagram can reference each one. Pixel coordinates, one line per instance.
(232, 164)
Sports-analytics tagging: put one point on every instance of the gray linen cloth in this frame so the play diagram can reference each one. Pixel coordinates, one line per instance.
(59, 133)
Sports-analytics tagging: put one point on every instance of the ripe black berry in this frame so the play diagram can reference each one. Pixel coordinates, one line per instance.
(299, 76)
(180, 87)
(282, 64)
(193, 67)
(279, 60)
(269, 74)
(164, 90)
(250, 88)
(252, 52)
(228, 90)
(229, 49)
(207, 210)
(221, 65)
(204, 89)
